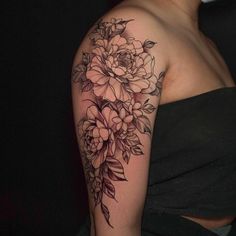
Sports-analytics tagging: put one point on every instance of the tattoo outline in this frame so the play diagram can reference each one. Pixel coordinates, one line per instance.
(118, 73)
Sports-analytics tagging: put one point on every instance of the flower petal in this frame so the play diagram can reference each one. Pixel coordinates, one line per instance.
(138, 61)
(96, 132)
(96, 76)
(105, 91)
(152, 86)
(104, 134)
(118, 40)
(141, 72)
(128, 118)
(96, 61)
(137, 113)
(99, 146)
(120, 92)
(112, 145)
(111, 59)
(122, 113)
(149, 64)
(138, 46)
(92, 112)
(118, 71)
(119, 125)
(98, 51)
(138, 85)
(114, 48)
(124, 126)
(99, 159)
(102, 43)
(86, 124)
(137, 105)
(99, 124)
(116, 120)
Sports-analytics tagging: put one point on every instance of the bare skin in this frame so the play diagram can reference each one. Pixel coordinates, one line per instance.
(190, 53)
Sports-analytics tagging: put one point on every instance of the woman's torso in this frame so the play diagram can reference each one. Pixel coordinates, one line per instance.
(195, 67)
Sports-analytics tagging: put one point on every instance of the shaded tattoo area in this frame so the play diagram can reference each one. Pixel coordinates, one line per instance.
(119, 73)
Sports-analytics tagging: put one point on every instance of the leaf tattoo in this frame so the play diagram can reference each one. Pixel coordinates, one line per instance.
(118, 72)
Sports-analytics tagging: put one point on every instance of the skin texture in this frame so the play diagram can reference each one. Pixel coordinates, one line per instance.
(108, 102)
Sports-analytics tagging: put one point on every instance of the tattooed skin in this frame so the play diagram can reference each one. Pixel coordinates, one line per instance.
(118, 72)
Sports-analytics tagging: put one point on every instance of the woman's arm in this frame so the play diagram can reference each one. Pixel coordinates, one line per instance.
(116, 84)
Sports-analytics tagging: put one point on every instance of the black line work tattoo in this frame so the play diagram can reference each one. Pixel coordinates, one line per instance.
(119, 71)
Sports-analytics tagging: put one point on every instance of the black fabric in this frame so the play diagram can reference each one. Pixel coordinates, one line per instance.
(162, 224)
(193, 156)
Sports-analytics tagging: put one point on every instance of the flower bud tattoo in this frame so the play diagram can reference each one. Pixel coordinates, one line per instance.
(118, 73)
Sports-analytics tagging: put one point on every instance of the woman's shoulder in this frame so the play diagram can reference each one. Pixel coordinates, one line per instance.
(144, 21)
(133, 23)
(136, 11)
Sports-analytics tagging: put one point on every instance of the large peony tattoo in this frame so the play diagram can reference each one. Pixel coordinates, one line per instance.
(118, 73)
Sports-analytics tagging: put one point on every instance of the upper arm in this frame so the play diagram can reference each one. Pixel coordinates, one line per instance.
(116, 84)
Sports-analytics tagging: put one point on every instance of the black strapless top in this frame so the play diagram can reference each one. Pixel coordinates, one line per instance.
(193, 156)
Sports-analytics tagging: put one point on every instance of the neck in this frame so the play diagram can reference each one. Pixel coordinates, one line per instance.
(189, 7)
(183, 11)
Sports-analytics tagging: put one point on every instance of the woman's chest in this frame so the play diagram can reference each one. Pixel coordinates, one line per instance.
(196, 66)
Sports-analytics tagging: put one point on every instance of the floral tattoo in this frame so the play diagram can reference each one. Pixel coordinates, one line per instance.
(118, 73)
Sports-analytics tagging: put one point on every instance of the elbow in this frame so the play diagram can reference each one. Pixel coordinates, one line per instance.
(124, 228)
